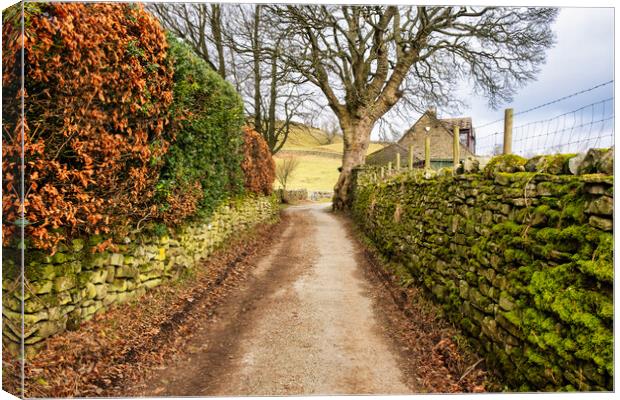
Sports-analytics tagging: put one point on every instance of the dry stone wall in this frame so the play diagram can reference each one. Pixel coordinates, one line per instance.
(69, 287)
(519, 255)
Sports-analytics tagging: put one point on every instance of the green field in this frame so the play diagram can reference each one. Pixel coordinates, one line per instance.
(315, 172)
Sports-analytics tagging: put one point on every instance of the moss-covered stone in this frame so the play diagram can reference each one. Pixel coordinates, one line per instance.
(504, 163)
(76, 282)
(532, 285)
(63, 283)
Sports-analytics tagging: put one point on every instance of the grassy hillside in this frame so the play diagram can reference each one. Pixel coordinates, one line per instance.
(303, 137)
(315, 172)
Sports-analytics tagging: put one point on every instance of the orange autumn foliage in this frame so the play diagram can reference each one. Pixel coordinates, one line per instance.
(98, 85)
(259, 168)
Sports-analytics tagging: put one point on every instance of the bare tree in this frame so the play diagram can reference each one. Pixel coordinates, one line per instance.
(285, 169)
(275, 96)
(199, 24)
(243, 45)
(332, 130)
(368, 59)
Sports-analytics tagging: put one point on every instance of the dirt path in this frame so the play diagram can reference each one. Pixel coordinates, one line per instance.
(303, 323)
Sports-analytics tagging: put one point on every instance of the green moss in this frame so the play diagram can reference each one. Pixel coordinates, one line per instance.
(508, 227)
(504, 163)
(555, 270)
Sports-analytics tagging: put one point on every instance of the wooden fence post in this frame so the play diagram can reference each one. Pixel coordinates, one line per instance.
(382, 172)
(410, 157)
(397, 161)
(508, 131)
(390, 168)
(456, 147)
(427, 152)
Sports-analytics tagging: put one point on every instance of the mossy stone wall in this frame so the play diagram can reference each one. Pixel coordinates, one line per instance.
(521, 261)
(69, 287)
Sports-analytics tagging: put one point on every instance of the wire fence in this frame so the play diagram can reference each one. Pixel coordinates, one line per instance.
(582, 127)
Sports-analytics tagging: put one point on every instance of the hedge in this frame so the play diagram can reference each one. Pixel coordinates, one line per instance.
(123, 125)
(203, 165)
(98, 87)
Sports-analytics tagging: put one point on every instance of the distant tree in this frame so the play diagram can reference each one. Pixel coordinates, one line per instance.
(285, 169)
(368, 59)
(332, 130)
(244, 46)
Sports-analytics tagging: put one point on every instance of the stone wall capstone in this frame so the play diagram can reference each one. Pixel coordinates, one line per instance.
(519, 255)
(70, 286)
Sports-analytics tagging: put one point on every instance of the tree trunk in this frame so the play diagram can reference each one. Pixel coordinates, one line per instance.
(356, 138)
(216, 31)
(270, 134)
(258, 123)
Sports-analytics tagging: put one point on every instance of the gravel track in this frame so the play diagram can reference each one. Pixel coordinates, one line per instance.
(303, 323)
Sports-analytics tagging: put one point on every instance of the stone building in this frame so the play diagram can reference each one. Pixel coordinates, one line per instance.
(440, 132)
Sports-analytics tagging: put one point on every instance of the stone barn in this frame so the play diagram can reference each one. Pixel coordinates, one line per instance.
(440, 132)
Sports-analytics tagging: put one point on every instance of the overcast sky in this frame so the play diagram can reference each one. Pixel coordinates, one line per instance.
(582, 58)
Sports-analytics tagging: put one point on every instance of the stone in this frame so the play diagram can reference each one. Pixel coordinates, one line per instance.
(111, 272)
(90, 291)
(575, 163)
(99, 276)
(594, 188)
(606, 163)
(504, 208)
(94, 261)
(502, 179)
(504, 163)
(463, 289)
(96, 276)
(59, 258)
(152, 283)
(429, 174)
(603, 205)
(545, 189)
(489, 328)
(471, 165)
(521, 202)
(127, 271)
(116, 259)
(556, 164)
(32, 305)
(161, 254)
(591, 162)
(29, 319)
(487, 218)
(77, 245)
(604, 224)
(118, 285)
(33, 339)
(63, 283)
(131, 285)
(101, 291)
(88, 311)
(41, 287)
(40, 272)
(110, 298)
(506, 302)
(63, 298)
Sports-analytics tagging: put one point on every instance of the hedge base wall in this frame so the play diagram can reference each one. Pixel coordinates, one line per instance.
(69, 287)
(522, 262)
